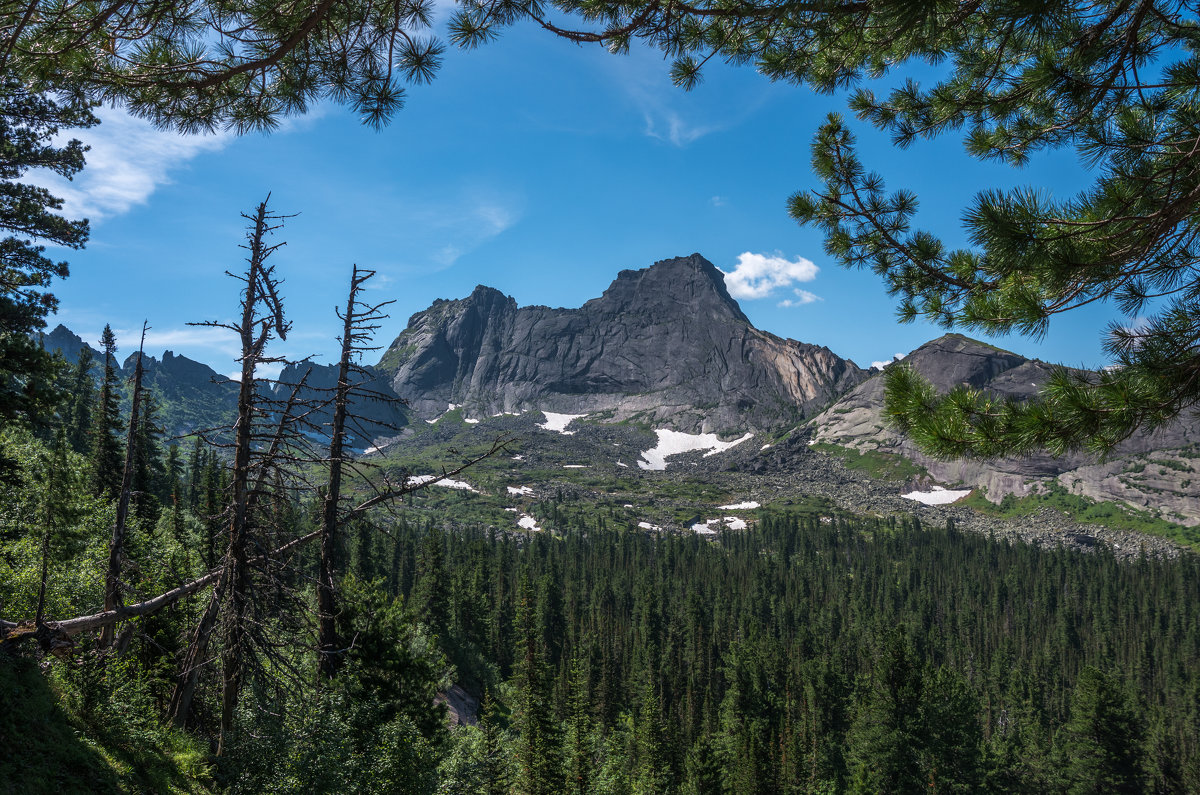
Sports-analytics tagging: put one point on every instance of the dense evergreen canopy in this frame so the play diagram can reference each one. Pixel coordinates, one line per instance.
(222, 63)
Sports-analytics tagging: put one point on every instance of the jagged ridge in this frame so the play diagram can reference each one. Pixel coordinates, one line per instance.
(667, 344)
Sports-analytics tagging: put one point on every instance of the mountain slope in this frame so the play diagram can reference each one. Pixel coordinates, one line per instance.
(1160, 471)
(666, 344)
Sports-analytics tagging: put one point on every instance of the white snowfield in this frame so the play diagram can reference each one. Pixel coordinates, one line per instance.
(731, 522)
(648, 526)
(674, 442)
(528, 523)
(559, 422)
(471, 421)
(417, 480)
(520, 490)
(939, 496)
(739, 506)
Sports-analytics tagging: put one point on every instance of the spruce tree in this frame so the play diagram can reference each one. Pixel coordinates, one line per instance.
(79, 403)
(30, 126)
(107, 456)
(1104, 738)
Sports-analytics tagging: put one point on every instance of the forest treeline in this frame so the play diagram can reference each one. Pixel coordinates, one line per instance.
(809, 654)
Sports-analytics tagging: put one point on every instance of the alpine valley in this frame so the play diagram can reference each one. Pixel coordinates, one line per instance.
(660, 401)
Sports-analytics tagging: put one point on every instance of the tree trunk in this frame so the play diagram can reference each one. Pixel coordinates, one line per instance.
(116, 547)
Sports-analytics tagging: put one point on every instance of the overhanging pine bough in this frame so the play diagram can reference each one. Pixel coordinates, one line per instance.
(1116, 83)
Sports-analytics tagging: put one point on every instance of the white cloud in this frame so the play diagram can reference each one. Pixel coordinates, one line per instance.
(128, 160)
(454, 226)
(670, 114)
(666, 125)
(880, 365)
(802, 297)
(717, 201)
(759, 275)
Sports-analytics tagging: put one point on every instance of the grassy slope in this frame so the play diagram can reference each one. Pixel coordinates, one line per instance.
(46, 748)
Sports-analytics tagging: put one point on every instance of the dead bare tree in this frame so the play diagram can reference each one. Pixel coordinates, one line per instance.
(359, 322)
(116, 546)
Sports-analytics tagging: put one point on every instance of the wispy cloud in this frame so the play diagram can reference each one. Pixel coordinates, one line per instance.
(760, 275)
(669, 113)
(669, 126)
(718, 201)
(802, 297)
(127, 161)
(449, 228)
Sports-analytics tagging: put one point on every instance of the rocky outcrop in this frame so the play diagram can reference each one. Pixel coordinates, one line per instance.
(666, 344)
(191, 395)
(1171, 455)
(374, 410)
(66, 342)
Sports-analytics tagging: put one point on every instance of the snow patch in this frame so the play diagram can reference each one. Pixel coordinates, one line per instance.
(471, 421)
(648, 526)
(731, 522)
(764, 447)
(449, 408)
(622, 464)
(938, 496)
(417, 480)
(739, 506)
(674, 442)
(521, 491)
(527, 522)
(576, 466)
(559, 422)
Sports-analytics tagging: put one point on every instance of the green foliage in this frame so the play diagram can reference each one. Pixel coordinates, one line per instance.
(1105, 737)
(1084, 510)
(29, 126)
(875, 463)
(89, 727)
(201, 66)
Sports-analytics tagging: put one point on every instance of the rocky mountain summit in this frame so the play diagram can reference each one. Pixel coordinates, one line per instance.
(190, 394)
(1159, 471)
(667, 345)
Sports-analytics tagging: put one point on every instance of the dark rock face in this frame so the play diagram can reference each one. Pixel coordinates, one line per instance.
(374, 410)
(66, 342)
(1158, 471)
(191, 395)
(667, 344)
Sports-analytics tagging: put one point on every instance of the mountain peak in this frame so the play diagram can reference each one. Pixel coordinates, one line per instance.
(667, 344)
(692, 281)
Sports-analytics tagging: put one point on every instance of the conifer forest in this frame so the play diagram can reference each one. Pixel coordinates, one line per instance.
(641, 547)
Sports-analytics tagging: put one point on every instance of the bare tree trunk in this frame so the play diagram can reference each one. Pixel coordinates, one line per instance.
(116, 547)
(254, 339)
(189, 671)
(327, 662)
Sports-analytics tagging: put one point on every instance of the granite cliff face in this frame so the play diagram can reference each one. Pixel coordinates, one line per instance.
(1159, 472)
(666, 344)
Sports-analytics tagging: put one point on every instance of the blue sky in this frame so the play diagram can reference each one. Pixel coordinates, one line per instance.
(530, 165)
